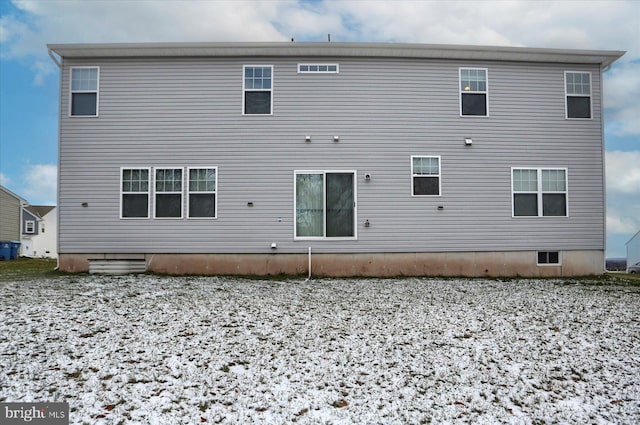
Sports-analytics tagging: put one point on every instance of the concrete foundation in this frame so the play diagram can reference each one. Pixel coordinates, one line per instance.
(468, 264)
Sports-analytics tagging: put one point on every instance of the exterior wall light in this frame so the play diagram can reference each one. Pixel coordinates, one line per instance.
(307, 138)
(468, 141)
(336, 138)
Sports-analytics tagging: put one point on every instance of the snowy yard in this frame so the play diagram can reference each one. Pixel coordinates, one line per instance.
(162, 350)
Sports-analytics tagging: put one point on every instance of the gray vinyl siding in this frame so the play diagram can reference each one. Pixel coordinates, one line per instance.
(188, 112)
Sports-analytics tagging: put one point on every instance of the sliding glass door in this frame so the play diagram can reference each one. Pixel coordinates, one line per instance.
(325, 204)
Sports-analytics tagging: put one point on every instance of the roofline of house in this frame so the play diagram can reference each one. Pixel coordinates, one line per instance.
(23, 201)
(337, 49)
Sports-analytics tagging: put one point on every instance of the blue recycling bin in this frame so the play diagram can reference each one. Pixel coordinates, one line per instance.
(15, 247)
(5, 250)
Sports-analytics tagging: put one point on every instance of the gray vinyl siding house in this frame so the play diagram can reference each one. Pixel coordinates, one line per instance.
(356, 158)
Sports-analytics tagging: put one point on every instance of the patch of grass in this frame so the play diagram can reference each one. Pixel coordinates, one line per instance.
(27, 269)
(625, 278)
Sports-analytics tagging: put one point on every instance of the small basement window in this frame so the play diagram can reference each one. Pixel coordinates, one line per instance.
(546, 258)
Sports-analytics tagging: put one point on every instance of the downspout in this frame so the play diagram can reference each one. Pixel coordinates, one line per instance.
(59, 64)
(604, 166)
(309, 276)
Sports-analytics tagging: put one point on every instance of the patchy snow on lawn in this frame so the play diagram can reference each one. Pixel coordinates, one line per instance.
(164, 350)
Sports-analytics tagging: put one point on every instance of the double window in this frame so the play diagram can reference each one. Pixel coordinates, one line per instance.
(84, 91)
(168, 192)
(425, 175)
(474, 92)
(577, 94)
(325, 204)
(539, 192)
(257, 90)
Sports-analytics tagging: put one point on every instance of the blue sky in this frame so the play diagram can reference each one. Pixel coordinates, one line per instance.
(29, 79)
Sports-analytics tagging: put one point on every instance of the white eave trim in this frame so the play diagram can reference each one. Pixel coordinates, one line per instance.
(327, 49)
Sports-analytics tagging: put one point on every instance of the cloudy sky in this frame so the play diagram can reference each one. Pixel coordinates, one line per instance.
(29, 79)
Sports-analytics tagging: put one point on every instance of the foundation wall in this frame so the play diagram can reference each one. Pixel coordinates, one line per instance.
(468, 264)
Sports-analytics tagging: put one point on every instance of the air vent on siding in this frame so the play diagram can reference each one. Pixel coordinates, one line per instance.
(117, 266)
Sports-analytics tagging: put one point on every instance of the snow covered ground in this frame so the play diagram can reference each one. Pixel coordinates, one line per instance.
(163, 350)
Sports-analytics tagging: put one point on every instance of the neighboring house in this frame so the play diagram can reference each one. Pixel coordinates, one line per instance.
(10, 215)
(372, 159)
(633, 250)
(39, 231)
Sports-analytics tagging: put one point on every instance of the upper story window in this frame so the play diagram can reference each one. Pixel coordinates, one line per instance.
(257, 88)
(202, 191)
(84, 91)
(29, 226)
(539, 192)
(168, 192)
(318, 68)
(134, 200)
(474, 92)
(425, 172)
(577, 86)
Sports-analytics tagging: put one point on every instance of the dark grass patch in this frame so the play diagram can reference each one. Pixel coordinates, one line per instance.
(28, 268)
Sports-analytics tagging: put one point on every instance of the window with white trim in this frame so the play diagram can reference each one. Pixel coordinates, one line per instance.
(168, 193)
(474, 92)
(257, 88)
(29, 226)
(425, 175)
(546, 258)
(84, 91)
(134, 197)
(577, 86)
(202, 190)
(325, 204)
(318, 68)
(539, 192)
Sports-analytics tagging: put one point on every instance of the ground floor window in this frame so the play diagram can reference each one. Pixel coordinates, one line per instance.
(166, 195)
(425, 172)
(202, 192)
(168, 190)
(134, 193)
(539, 192)
(325, 204)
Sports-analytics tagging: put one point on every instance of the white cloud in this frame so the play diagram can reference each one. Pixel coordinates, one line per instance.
(4, 180)
(40, 184)
(623, 172)
(621, 225)
(621, 94)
